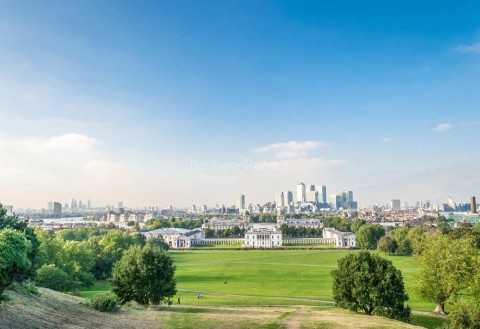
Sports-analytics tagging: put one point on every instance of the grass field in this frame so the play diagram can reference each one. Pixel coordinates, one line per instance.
(54, 310)
(266, 277)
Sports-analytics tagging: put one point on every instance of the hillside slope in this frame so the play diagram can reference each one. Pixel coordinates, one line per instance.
(51, 309)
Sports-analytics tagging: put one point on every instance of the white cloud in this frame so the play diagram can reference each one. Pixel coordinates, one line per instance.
(442, 127)
(386, 140)
(291, 149)
(469, 49)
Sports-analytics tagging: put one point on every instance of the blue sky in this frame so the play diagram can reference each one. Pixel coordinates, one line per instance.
(121, 101)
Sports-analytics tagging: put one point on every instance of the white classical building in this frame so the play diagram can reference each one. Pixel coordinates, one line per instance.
(177, 238)
(223, 224)
(263, 236)
(343, 239)
(306, 222)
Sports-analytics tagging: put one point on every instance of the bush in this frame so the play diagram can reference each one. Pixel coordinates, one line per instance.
(52, 277)
(465, 315)
(28, 287)
(105, 302)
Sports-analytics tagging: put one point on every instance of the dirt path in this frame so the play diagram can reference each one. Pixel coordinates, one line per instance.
(295, 321)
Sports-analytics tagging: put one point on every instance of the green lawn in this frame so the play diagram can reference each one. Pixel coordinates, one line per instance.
(99, 286)
(266, 277)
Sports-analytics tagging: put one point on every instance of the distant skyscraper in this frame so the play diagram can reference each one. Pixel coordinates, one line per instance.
(73, 204)
(311, 194)
(395, 205)
(322, 193)
(301, 193)
(120, 205)
(241, 203)
(473, 205)
(9, 210)
(89, 204)
(280, 200)
(289, 198)
(57, 209)
(350, 196)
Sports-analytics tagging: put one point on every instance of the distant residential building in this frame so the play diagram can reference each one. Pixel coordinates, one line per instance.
(57, 209)
(343, 239)
(395, 205)
(307, 222)
(263, 236)
(223, 224)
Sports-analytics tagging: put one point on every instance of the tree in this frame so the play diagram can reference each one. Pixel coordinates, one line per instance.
(447, 266)
(22, 226)
(14, 261)
(77, 261)
(357, 224)
(52, 277)
(144, 275)
(159, 242)
(387, 245)
(368, 236)
(367, 282)
(417, 237)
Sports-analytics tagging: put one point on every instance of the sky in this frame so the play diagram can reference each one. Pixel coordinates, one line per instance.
(198, 102)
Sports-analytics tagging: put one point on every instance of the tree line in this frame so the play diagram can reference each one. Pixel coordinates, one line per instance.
(138, 269)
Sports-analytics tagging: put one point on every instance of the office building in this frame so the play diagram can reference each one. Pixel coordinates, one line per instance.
(311, 195)
(241, 203)
(57, 209)
(301, 193)
(473, 205)
(289, 198)
(395, 205)
(280, 200)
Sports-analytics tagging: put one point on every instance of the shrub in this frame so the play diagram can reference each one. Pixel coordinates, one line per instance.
(52, 277)
(105, 302)
(28, 287)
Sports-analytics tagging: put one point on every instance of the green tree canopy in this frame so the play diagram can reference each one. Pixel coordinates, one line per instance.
(14, 261)
(367, 282)
(52, 277)
(387, 245)
(22, 226)
(144, 275)
(447, 267)
(368, 236)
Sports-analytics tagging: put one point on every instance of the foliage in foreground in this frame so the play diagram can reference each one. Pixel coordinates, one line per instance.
(144, 275)
(367, 282)
(447, 268)
(105, 302)
(14, 261)
(52, 277)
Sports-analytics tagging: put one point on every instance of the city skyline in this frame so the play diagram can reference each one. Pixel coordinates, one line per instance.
(199, 103)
